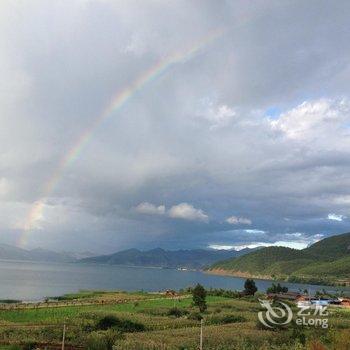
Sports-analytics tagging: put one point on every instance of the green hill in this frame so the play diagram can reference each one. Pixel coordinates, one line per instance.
(327, 261)
(261, 260)
(331, 248)
(339, 268)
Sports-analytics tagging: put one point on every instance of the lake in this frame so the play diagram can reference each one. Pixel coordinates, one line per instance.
(25, 280)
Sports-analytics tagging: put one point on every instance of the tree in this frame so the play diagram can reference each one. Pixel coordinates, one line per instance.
(199, 294)
(277, 289)
(250, 287)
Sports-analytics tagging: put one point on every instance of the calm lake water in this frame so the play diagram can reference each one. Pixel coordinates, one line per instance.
(33, 280)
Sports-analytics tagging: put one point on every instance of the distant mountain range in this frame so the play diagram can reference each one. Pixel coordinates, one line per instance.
(8, 252)
(189, 259)
(325, 262)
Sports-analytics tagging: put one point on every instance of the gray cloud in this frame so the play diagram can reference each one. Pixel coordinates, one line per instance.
(234, 220)
(187, 212)
(150, 209)
(256, 123)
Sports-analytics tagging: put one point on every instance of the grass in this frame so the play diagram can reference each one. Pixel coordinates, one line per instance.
(54, 315)
(229, 323)
(101, 294)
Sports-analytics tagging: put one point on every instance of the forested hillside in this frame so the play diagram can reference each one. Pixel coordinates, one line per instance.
(327, 261)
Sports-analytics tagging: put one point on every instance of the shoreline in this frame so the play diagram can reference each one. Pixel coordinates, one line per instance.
(240, 274)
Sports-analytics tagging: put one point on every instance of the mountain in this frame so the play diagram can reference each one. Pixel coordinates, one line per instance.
(14, 253)
(8, 252)
(40, 254)
(327, 262)
(191, 259)
(80, 255)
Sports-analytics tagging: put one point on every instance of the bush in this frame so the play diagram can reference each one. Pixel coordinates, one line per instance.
(9, 301)
(158, 311)
(111, 321)
(298, 334)
(106, 322)
(15, 347)
(233, 319)
(226, 293)
(196, 316)
(102, 340)
(277, 288)
(174, 311)
(226, 319)
(29, 346)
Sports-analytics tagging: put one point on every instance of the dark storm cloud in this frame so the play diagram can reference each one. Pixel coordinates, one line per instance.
(196, 144)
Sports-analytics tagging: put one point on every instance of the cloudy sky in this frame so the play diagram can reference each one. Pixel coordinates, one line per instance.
(235, 131)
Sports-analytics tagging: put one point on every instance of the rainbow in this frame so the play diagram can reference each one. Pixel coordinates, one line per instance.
(116, 103)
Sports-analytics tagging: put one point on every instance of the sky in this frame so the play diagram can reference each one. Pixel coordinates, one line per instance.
(173, 124)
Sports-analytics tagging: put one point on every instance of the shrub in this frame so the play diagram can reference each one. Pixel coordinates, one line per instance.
(174, 311)
(111, 321)
(108, 321)
(196, 316)
(29, 346)
(226, 319)
(298, 334)
(102, 340)
(15, 347)
(316, 345)
(277, 288)
(159, 311)
(9, 301)
(226, 293)
(233, 319)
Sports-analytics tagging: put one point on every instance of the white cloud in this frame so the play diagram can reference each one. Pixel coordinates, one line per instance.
(183, 211)
(234, 220)
(295, 235)
(317, 237)
(295, 245)
(237, 247)
(187, 212)
(216, 115)
(255, 231)
(150, 209)
(221, 247)
(312, 118)
(336, 217)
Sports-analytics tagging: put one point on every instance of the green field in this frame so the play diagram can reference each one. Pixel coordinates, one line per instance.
(151, 323)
